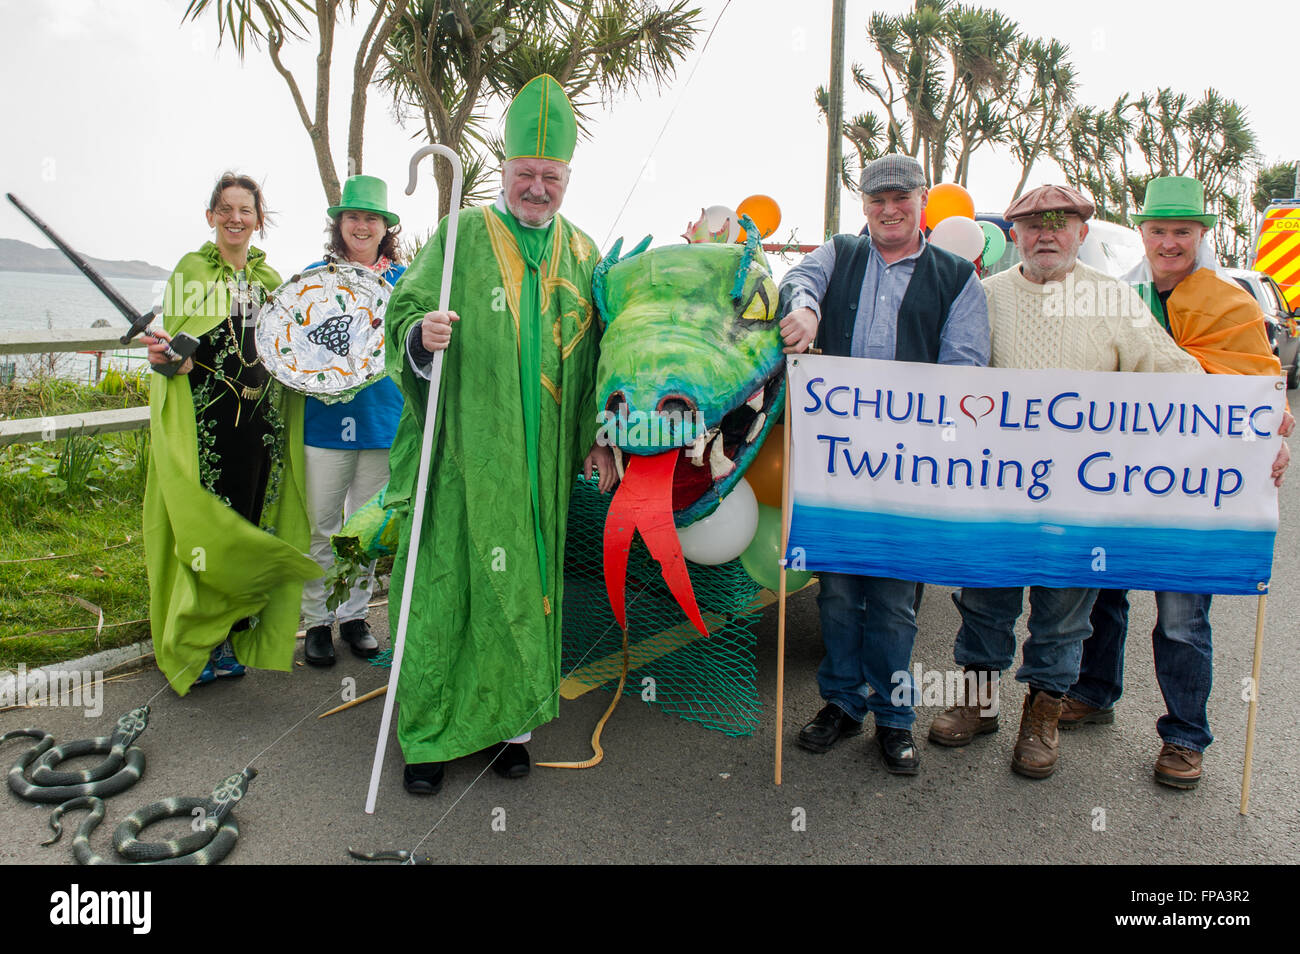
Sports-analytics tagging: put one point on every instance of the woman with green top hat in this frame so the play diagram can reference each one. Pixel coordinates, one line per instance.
(346, 444)
(225, 525)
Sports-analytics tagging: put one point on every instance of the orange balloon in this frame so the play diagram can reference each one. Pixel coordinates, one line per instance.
(764, 211)
(948, 199)
(764, 474)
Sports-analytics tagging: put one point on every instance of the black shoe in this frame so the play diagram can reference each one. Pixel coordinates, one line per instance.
(423, 778)
(831, 723)
(318, 647)
(356, 634)
(899, 752)
(510, 759)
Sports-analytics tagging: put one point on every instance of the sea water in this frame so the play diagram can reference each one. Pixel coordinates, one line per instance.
(978, 552)
(32, 301)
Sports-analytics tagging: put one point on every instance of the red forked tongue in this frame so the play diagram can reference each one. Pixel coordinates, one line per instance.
(644, 502)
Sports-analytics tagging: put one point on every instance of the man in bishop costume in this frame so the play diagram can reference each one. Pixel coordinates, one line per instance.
(516, 421)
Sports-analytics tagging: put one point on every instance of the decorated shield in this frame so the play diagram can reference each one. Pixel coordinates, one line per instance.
(322, 332)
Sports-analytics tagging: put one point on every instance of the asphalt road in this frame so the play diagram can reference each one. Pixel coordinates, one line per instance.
(672, 791)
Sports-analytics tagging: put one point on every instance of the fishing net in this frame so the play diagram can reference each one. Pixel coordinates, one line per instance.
(709, 681)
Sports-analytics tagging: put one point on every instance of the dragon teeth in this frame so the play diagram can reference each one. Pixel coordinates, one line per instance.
(756, 402)
(719, 465)
(756, 428)
(618, 460)
(695, 450)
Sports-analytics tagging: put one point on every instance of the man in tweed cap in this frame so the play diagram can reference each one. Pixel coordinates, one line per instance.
(1051, 311)
(887, 295)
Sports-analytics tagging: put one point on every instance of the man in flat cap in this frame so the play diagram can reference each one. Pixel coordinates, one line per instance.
(1221, 325)
(1050, 312)
(516, 417)
(887, 295)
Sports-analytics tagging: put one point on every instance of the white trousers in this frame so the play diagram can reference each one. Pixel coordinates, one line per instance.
(338, 482)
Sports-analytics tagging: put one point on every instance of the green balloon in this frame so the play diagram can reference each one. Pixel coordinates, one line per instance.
(762, 558)
(995, 243)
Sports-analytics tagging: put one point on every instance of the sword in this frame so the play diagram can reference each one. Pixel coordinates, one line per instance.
(139, 322)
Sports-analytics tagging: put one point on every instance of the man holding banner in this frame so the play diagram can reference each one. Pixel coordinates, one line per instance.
(889, 295)
(1051, 312)
(1222, 326)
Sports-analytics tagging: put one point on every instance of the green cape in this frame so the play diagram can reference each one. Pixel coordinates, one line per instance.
(482, 657)
(208, 566)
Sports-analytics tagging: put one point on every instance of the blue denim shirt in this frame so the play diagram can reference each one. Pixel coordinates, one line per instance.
(965, 336)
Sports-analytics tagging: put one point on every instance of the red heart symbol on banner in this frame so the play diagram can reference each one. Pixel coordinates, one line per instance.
(976, 397)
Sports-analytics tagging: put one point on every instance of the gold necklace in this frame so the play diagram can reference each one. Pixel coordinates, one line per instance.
(242, 298)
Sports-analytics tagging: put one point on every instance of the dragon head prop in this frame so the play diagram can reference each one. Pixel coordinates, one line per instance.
(690, 375)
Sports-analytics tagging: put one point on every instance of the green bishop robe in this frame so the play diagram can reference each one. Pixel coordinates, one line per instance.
(482, 656)
(208, 566)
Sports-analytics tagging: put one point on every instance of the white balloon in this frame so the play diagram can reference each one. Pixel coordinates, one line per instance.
(959, 235)
(717, 215)
(724, 534)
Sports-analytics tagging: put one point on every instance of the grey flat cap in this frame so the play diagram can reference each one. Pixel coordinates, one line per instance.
(892, 172)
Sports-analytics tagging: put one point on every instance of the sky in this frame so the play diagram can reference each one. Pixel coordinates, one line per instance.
(118, 119)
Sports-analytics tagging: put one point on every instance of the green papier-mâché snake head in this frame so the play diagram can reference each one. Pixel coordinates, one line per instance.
(691, 359)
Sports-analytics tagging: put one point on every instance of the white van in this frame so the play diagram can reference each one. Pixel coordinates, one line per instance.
(1110, 248)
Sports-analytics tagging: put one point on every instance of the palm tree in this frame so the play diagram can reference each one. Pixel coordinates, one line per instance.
(274, 22)
(1036, 124)
(446, 61)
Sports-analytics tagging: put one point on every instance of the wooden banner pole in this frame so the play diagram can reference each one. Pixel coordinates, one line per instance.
(1254, 704)
(780, 612)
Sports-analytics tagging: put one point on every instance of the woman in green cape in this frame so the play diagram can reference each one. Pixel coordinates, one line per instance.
(225, 524)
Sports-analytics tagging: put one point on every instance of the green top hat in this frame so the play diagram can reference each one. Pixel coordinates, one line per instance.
(1175, 197)
(364, 194)
(540, 123)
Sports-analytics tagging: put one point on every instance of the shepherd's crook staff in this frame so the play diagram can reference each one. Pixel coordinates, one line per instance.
(426, 448)
(1254, 700)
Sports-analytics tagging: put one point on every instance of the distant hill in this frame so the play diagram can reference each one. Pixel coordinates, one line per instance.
(16, 256)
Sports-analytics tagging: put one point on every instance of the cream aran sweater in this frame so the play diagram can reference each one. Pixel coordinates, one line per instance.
(1089, 322)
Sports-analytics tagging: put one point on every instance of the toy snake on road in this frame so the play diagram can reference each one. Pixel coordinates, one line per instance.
(122, 767)
(207, 846)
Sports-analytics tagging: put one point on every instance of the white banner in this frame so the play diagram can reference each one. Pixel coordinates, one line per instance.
(994, 477)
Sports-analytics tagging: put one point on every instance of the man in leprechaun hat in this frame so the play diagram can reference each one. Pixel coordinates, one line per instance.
(1220, 325)
(516, 421)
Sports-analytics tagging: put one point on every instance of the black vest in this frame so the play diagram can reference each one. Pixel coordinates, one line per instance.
(937, 280)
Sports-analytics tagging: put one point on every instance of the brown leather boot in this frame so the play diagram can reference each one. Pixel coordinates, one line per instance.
(958, 725)
(1039, 744)
(1076, 713)
(1178, 767)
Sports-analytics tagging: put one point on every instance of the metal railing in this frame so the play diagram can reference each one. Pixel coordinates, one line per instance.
(98, 341)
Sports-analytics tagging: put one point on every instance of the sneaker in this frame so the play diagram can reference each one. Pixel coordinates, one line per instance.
(206, 676)
(224, 662)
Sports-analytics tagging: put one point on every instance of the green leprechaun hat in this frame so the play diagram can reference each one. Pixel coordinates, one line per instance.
(364, 194)
(540, 123)
(1175, 197)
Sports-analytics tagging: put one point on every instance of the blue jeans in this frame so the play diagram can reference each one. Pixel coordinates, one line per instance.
(1058, 625)
(868, 627)
(1184, 662)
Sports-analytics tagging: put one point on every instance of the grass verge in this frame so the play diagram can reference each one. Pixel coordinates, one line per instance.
(72, 571)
